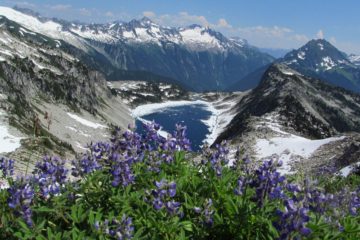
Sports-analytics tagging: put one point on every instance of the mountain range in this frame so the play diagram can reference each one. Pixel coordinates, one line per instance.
(197, 57)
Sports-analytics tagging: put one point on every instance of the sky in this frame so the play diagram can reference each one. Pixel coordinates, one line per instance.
(284, 24)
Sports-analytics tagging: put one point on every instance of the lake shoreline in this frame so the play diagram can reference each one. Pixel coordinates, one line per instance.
(212, 123)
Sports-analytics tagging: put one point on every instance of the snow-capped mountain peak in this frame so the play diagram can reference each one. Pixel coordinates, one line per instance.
(143, 45)
(195, 37)
(320, 59)
(318, 54)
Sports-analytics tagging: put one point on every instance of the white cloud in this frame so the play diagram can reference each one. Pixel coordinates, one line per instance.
(333, 40)
(274, 31)
(85, 12)
(300, 38)
(320, 34)
(20, 3)
(60, 7)
(109, 14)
(179, 19)
(222, 23)
(149, 14)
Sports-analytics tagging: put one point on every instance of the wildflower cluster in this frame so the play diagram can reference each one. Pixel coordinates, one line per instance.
(21, 196)
(292, 219)
(114, 228)
(218, 157)
(268, 182)
(162, 196)
(113, 191)
(206, 212)
(51, 175)
(6, 167)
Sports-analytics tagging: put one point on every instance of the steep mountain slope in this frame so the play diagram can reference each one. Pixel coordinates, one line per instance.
(196, 56)
(275, 52)
(249, 81)
(320, 59)
(49, 100)
(287, 111)
(309, 106)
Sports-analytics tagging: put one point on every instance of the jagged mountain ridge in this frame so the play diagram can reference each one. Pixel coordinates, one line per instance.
(198, 57)
(320, 59)
(304, 122)
(307, 106)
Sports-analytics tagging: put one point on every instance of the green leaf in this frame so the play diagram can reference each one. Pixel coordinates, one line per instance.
(24, 226)
(139, 233)
(187, 225)
(44, 209)
(19, 235)
(91, 217)
(50, 233)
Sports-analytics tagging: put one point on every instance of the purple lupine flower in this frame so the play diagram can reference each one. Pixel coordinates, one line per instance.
(208, 212)
(172, 207)
(114, 228)
(292, 220)
(157, 204)
(121, 170)
(7, 167)
(97, 225)
(182, 142)
(354, 203)
(217, 157)
(172, 189)
(163, 196)
(241, 182)
(197, 210)
(21, 195)
(268, 183)
(50, 174)
(87, 164)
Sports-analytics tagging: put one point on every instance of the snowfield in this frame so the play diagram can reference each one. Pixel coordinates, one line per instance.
(8, 141)
(85, 122)
(344, 172)
(285, 146)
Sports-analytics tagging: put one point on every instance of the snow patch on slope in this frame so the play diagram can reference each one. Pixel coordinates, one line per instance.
(85, 121)
(301, 55)
(344, 172)
(8, 141)
(199, 36)
(285, 146)
(327, 63)
(47, 28)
